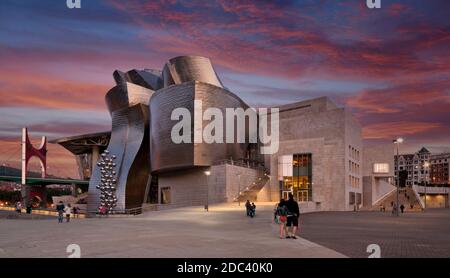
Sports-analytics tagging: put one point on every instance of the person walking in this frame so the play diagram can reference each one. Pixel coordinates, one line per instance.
(281, 213)
(252, 210)
(75, 212)
(19, 207)
(402, 208)
(102, 210)
(394, 209)
(292, 218)
(67, 212)
(29, 208)
(248, 207)
(60, 210)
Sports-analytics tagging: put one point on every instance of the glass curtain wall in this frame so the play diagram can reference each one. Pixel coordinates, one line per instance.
(295, 176)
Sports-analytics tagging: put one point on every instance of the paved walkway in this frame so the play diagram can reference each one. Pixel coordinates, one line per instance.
(410, 235)
(225, 231)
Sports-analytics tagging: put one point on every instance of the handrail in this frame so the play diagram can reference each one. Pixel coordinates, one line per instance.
(260, 181)
(130, 211)
(241, 162)
(416, 193)
(384, 197)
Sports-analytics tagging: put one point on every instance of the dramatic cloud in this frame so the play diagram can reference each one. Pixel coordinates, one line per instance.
(401, 98)
(390, 66)
(393, 129)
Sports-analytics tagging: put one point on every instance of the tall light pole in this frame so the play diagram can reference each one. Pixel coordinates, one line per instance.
(239, 193)
(207, 174)
(398, 141)
(426, 165)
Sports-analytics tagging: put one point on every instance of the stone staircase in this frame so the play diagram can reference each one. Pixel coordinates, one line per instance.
(251, 191)
(407, 197)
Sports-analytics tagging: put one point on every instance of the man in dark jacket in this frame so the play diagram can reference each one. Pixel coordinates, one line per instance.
(60, 209)
(293, 215)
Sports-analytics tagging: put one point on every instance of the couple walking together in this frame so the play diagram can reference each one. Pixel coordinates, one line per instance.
(286, 215)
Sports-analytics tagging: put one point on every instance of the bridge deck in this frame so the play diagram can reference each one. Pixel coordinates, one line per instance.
(43, 181)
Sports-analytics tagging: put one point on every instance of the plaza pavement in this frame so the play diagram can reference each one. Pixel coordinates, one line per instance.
(225, 231)
(411, 235)
(222, 232)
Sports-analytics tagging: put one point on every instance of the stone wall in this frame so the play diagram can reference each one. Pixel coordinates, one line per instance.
(376, 185)
(189, 187)
(382, 153)
(225, 183)
(374, 189)
(353, 139)
(320, 128)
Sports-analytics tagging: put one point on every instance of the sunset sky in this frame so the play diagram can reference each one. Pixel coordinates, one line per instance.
(390, 66)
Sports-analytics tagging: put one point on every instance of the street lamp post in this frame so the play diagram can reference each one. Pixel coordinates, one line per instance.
(207, 173)
(239, 193)
(398, 141)
(426, 165)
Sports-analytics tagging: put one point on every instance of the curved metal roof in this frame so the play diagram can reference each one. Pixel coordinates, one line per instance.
(82, 144)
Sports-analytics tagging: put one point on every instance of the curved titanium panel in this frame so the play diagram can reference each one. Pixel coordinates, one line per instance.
(127, 95)
(148, 78)
(166, 155)
(128, 105)
(190, 68)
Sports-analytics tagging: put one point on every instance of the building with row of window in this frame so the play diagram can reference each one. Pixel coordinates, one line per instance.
(439, 169)
(424, 167)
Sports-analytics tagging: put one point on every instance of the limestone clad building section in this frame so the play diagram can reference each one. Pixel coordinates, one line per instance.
(321, 130)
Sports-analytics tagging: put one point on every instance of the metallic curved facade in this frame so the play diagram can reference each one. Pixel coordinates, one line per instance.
(165, 155)
(190, 68)
(128, 105)
(149, 78)
(141, 106)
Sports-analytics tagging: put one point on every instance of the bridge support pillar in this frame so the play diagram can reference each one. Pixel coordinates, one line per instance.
(44, 197)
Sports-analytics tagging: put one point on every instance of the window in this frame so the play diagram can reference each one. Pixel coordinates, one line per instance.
(379, 168)
(351, 198)
(165, 195)
(302, 177)
(298, 178)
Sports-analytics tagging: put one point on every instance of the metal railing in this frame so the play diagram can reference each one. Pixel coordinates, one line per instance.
(432, 189)
(131, 211)
(254, 187)
(242, 163)
(384, 197)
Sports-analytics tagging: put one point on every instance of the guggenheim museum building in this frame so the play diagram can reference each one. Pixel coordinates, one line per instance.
(318, 159)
